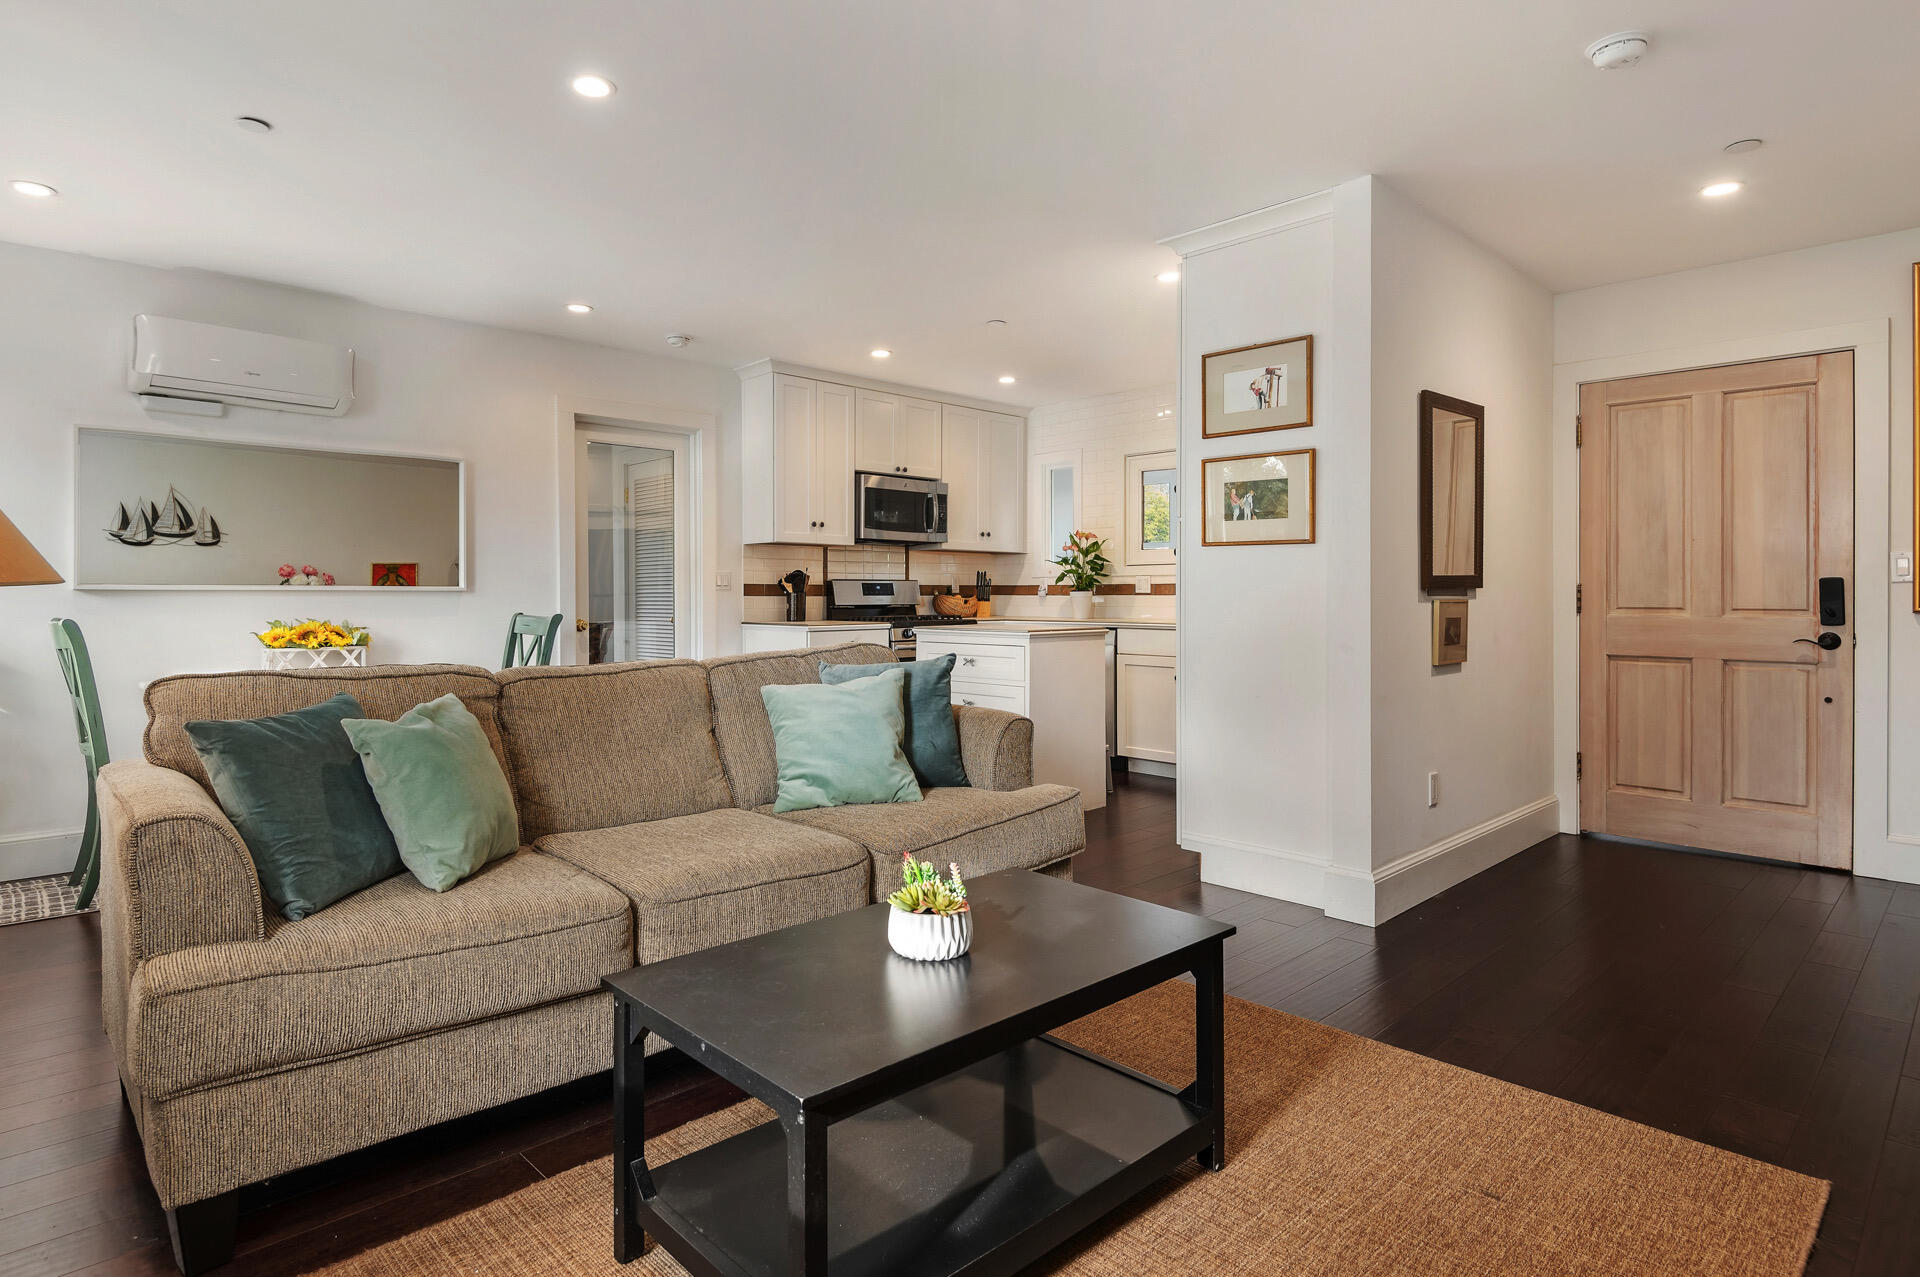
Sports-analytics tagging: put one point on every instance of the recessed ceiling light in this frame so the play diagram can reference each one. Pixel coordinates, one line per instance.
(880, 352)
(254, 124)
(1168, 276)
(1744, 145)
(35, 190)
(580, 308)
(593, 86)
(1006, 381)
(1719, 189)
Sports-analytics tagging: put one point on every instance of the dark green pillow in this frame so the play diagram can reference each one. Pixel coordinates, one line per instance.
(294, 788)
(440, 788)
(933, 742)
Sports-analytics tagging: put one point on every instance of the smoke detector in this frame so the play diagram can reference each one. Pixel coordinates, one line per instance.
(1621, 49)
(677, 340)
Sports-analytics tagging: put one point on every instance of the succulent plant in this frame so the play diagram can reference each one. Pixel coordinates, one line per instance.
(923, 890)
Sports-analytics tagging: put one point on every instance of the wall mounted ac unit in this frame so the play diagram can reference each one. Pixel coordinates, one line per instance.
(181, 366)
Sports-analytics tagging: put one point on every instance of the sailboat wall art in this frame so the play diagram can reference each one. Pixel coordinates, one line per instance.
(172, 522)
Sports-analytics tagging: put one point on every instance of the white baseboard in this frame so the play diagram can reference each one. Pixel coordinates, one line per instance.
(37, 855)
(1150, 767)
(1401, 884)
(1354, 895)
(1261, 870)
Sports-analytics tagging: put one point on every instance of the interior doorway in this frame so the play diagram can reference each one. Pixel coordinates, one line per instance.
(1715, 595)
(634, 552)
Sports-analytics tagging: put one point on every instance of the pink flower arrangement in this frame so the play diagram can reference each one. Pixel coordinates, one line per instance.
(306, 574)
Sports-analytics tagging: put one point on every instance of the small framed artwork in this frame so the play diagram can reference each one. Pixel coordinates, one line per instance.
(395, 574)
(1250, 388)
(1263, 498)
(1449, 631)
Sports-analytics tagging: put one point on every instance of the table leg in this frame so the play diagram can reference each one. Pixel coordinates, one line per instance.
(807, 1194)
(629, 1129)
(1210, 1050)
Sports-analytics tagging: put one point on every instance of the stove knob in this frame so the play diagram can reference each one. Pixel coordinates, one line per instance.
(907, 633)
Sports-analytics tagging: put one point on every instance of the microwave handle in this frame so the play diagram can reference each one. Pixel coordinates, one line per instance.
(933, 512)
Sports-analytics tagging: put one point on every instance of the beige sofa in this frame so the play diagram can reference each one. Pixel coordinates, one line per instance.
(250, 1045)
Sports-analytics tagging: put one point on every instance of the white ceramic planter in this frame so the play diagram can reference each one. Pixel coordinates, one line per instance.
(1082, 604)
(929, 937)
(313, 658)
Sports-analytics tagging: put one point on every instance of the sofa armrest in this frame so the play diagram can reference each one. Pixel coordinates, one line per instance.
(996, 747)
(174, 872)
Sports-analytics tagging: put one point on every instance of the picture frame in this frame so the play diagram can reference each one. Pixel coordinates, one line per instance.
(1449, 632)
(1259, 498)
(1453, 494)
(1265, 386)
(389, 575)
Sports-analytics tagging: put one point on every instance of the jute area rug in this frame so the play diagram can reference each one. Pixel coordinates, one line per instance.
(1345, 1157)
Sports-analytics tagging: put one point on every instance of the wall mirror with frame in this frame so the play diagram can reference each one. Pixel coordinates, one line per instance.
(1452, 493)
(165, 512)
(1151, 490)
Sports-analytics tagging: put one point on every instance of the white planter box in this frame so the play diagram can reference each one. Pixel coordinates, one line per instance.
(313, 658)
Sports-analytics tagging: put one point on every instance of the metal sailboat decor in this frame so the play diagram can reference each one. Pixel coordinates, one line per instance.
(173, 521)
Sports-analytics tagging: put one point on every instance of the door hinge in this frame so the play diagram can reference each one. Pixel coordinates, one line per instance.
(1578, 430)
(1579, 598)
(1579, 765)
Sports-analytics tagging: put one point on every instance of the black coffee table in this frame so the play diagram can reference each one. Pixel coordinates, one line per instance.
(927, 1122)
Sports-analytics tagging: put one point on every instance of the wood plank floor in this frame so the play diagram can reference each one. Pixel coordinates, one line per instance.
(1765, 1009)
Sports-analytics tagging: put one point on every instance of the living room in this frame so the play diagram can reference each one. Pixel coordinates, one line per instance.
(1507, 868)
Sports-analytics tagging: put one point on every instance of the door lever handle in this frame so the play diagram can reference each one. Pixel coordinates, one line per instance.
(1826, 642)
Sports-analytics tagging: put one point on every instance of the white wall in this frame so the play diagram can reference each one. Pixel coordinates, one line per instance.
(1275, 722)
(1855, 294)
(483, 394)
(1452, 317)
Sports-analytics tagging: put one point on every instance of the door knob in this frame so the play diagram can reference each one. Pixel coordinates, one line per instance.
(1826, 642)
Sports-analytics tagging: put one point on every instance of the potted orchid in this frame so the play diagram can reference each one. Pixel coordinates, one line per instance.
(1083, 564)
(930, 920)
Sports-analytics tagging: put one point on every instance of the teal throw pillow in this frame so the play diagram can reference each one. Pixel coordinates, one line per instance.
(933, 742)
(294, 788)
(841, 744)
(440, 787)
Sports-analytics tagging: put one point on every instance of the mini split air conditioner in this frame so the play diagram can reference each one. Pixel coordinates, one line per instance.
(181, 366)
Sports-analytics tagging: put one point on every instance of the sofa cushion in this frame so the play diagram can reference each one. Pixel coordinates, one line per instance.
(983, 830)
(841, 744)
(594, 746)
(392, 961)
(740, 724)
(698, 881)
(384, 691)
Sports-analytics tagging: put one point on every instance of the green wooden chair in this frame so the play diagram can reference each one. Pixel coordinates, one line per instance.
(530, 640)
(77, 667)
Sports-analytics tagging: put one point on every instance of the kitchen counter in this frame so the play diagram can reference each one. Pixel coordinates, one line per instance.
(817, 625)
(1101, 622)
(1014, 625)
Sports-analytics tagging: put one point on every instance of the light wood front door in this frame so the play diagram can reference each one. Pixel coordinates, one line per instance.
(1712, 503)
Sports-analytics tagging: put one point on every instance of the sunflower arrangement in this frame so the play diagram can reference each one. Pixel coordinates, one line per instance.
(313, 634)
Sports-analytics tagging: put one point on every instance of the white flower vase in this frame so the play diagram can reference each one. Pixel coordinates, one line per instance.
(930, 937)
(1082, 605)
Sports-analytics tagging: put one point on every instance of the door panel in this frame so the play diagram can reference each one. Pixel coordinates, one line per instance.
(875, 433)
(1710, 504)
(833, 464)
(920, 435)
(794, 501)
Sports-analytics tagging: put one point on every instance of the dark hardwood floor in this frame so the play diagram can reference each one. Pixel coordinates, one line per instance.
(1766, 1009)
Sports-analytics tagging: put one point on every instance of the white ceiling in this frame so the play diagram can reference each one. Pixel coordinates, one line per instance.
(809, 180)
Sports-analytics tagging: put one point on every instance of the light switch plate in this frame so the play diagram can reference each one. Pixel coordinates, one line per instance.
(1902, 566)
(724, 580)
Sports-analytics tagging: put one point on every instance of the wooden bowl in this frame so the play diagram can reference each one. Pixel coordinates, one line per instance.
(954, 605)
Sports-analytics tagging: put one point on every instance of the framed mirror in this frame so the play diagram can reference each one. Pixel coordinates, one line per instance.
(1452, 493)
(164, 512)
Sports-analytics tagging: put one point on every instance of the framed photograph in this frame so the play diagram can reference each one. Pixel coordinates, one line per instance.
(1449, 631)
(1264, 387)
(395, 574)
(1263, 498)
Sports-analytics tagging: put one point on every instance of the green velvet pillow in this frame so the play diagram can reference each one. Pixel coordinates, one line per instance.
(841, 744)
(294, 788)
(440, 788)
(933, 742)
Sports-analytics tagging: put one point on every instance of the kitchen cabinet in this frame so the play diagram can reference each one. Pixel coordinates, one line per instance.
(784, 636)
(984, 462)
(1054, 675)
(896, 434)
(797, 460)
(1146, 679)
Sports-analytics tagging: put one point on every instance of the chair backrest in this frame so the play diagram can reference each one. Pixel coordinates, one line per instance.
(77, 667)
(530, 640)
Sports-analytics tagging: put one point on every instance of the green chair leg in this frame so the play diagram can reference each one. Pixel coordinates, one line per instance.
(86, 870)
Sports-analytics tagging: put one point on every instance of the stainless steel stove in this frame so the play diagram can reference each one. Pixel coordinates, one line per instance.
(895, 602)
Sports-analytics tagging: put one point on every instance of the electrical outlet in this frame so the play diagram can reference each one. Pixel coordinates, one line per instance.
(1043, 589)
(1143, 586)
(1433, 789)
(1902, 566)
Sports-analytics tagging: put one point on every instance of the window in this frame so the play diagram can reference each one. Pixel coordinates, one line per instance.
(1153, 509)
(1061, 514)
(1054, 493)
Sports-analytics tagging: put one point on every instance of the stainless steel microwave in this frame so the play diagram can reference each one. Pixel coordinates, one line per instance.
(900, 508)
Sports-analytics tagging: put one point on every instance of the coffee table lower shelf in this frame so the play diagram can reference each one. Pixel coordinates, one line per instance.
(982, 1172)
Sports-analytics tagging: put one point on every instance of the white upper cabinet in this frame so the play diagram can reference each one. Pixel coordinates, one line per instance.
(960, 467)
(834, 409)
(797, 463)
(1003, 470)
(897, 435)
